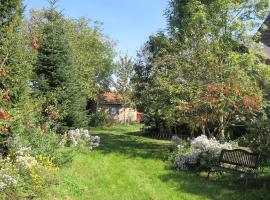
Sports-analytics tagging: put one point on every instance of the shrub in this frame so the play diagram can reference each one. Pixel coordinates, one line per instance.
(98, 119)
(184, 156)
(8, 177)
(46, 144)
(25, 173)
(258, 139)
(202, 143)
(200, 152)
(80, 137)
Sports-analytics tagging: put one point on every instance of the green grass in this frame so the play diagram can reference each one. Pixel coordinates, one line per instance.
(129, 167)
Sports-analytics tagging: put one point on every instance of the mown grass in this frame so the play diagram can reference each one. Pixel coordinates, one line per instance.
(129, 167)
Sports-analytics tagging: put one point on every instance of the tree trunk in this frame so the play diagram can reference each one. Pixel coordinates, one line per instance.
(125, 121)
(222, 127)
(203, 130)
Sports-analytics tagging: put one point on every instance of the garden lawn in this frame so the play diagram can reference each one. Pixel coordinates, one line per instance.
(128, 166)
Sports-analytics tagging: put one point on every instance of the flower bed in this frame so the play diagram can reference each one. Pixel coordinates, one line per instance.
(24, 173)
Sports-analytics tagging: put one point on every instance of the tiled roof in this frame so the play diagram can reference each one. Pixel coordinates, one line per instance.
(111, 98)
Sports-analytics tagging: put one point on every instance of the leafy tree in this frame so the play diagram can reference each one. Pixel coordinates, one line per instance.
(148, 96)
(16, 106)
(212, 50)
(211, 71)
(124, 73)
(92, 59)
(76, 67)
(92, 55)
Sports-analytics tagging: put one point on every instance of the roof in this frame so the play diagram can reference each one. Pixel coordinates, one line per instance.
(111, 98)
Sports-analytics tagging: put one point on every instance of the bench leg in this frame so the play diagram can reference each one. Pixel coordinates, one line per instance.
(246, 181)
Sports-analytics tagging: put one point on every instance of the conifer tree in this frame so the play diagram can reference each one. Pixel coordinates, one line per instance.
(65, 104)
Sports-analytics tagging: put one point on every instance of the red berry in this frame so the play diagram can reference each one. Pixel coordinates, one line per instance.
(7, 97)
(53, 115)
(5, 130)
(3, 75)
(35, 45)
(2, 115)
(7, 72)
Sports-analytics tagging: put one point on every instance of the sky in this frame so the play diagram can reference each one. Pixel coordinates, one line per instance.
(128, 22)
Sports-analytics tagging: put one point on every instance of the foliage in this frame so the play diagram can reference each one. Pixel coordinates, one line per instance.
(98, 119)
(80, 137)
(257, 139)
(92, 54)
(53, 67)
(201, 74)
(8, 179)
(124, 73)
(147, 94)
(23, 173)
(199, 153)
(85, 71)
(41, 144)
(16, 59)
(92, 59)
(184, 156)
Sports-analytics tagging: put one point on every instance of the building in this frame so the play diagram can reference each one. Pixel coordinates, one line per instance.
(111, 103)
(265, 36)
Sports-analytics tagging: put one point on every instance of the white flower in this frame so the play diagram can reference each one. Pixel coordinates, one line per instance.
(77, 136)
(2, 185)
(203, 143)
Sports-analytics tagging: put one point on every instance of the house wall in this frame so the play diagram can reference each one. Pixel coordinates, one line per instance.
(117, 113)
(265, 34)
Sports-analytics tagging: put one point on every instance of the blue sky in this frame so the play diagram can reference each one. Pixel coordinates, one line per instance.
(128, 22)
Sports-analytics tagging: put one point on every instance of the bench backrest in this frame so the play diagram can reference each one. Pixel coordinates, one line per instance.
(239, 157)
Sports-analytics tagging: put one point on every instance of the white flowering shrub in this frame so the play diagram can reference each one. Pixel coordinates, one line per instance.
(8, 176)
(80, 137)
(7, 181)
(23, 171)
(202, 143)
(200, 152)
(184, 156)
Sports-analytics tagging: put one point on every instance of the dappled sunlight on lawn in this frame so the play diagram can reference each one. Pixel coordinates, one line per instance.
(130, 167)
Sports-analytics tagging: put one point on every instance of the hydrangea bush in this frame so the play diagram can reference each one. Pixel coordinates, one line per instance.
(202, 143)
(79, 137)
(199, 152)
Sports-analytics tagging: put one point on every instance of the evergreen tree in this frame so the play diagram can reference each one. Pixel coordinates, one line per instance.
(53, 67)
(53, 62)
(65, 101)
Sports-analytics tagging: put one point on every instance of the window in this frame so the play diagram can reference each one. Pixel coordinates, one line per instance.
(114, 109)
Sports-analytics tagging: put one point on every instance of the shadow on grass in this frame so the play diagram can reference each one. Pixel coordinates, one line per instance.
(218, 188)
(131, 146)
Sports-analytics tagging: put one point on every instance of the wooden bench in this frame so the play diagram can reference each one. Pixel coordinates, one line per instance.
(237, 162)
